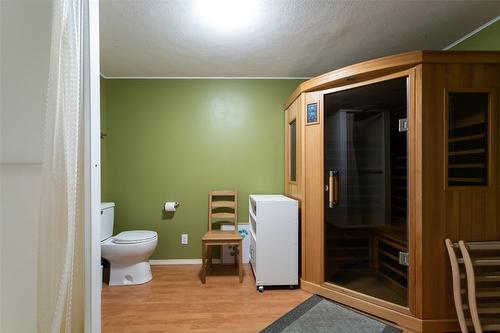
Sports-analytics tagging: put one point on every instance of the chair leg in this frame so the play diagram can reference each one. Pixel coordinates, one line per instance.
(240, 260)
(203, 266)
(236, 251)
(209, 250)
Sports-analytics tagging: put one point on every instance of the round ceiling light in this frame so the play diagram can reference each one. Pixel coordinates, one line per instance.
(227, 15)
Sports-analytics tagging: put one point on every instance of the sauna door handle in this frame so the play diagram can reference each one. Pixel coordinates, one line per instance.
(333, 188)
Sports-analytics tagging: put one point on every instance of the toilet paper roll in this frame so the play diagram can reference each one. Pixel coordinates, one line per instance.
(170, 206)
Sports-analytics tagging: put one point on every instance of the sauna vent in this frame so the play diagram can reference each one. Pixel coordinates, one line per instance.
(467, 138)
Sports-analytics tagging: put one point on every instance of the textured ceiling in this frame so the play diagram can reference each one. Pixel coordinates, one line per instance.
(287, 39)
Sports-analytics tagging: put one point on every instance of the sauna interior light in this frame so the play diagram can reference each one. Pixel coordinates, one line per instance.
(227, 15)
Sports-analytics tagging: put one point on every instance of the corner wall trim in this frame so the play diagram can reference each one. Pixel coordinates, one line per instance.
(205, 77)
(164, 262)
(472, 33)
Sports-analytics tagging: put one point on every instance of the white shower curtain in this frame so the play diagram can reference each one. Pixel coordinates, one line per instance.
(61, 237)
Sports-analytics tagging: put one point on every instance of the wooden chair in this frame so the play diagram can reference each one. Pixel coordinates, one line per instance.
(222, 208)
(481, 285)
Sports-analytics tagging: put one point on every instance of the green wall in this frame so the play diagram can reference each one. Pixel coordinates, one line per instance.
(487, 39)
(174, 140)
(104, 142)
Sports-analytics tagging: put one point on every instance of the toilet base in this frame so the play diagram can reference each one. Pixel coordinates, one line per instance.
(122, 274)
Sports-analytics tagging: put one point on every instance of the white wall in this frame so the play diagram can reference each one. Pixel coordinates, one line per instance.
(24, 63)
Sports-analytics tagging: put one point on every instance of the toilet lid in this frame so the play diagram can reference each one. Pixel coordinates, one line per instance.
(134, 236)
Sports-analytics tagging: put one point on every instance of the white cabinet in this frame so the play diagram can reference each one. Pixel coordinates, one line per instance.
(274, 228)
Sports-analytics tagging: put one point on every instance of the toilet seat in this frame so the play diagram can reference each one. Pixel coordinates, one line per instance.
(134, 237)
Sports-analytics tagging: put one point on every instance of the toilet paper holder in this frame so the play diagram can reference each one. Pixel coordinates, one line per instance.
(171, 206)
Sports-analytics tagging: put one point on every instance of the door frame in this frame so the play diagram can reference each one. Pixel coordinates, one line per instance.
(92, 166)
(414, 196)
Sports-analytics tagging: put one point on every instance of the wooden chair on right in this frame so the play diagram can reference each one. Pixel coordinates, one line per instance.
(480, 277)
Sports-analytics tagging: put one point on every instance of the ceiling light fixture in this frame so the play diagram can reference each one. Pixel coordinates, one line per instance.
(227, 15)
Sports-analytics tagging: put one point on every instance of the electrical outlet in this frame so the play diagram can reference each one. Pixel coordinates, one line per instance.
(184, 239)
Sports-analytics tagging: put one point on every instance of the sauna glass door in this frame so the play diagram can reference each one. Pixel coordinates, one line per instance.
(366, 179)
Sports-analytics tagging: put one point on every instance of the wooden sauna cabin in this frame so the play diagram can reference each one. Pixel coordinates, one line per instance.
(388, 158)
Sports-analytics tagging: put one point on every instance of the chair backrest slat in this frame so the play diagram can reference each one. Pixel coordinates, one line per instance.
(223, 207)
(471, 286)
(457, 296)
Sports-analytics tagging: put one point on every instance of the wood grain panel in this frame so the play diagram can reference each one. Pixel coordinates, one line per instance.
(301, 114)
(434, 264)
(300, 150)
(294, 189)
(415, 193)
(467, 213)
(313, 218)
(289, 113)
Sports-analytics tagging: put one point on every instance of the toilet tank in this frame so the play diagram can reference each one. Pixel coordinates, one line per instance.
(107, 219)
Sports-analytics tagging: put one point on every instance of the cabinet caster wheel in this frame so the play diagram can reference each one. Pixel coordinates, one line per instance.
(260, 289)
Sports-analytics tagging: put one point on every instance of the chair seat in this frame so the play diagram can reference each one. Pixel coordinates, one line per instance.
(219, 235)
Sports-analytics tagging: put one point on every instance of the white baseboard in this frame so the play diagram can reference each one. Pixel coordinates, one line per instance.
(162, 262)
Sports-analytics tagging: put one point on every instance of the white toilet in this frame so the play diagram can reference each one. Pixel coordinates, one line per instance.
(128, 252)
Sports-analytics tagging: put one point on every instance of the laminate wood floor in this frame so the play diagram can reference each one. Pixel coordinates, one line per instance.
(176, 301)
